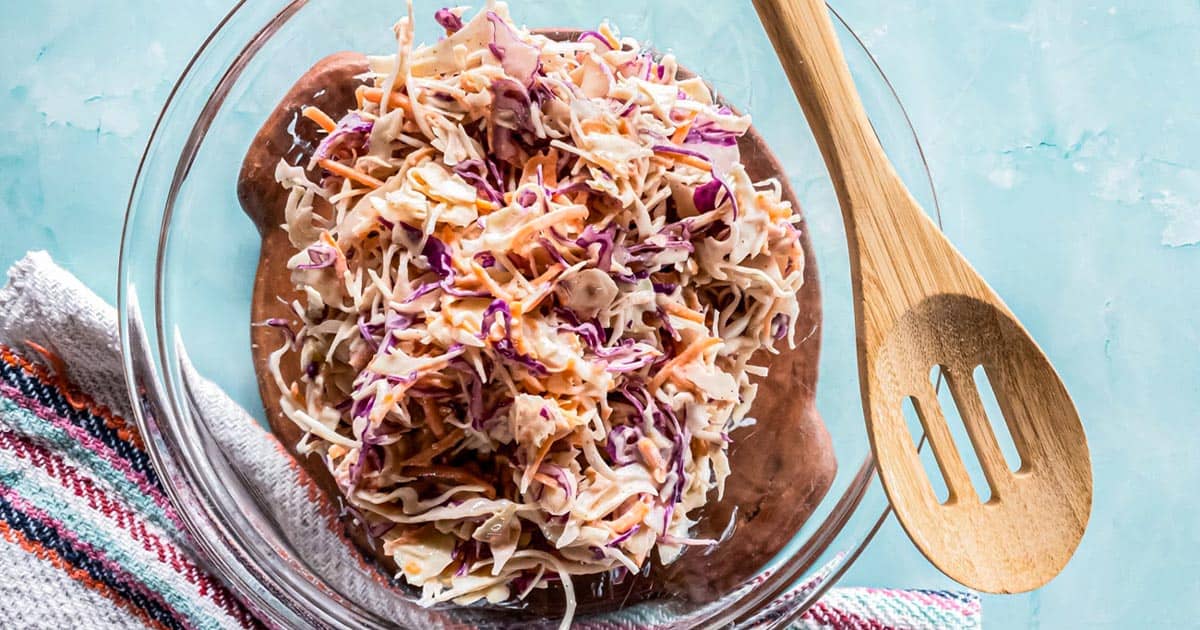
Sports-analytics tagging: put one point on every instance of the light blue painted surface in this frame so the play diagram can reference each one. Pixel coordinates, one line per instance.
(1062, 137)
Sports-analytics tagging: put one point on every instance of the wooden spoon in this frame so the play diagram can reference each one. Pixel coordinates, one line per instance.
(919, 304)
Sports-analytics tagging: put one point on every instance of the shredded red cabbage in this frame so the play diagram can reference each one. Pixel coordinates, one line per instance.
(592, 236)
(678, 150)
(504, 347)
(285, 327)
(623, 537)
(365, 331)
(485, 259)
(518, 58)
(320, 256)
(438, 257)
(467, 170)
(561, 476)
(705, 196)
(621, 444)
(708, 133)
(780, 325)
(511, 121)
(446, 18)
(348, 139)
(589, 332)
(596, 36)
(555, 255)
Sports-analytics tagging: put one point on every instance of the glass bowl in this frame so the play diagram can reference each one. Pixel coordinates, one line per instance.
(188, 261)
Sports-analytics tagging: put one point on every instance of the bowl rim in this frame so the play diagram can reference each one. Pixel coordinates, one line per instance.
(161, 404)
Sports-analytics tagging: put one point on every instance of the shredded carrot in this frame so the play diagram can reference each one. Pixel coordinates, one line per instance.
(489, 282)
(483, 205)
(518, 339)
(451, 474)
(691, 352)
(437, 448)
(554, 270)
(339, 263)
(447, 234)
(576, 75)
(338, 168)
(321, 118)
(652, 455)
(594, 125)
(433, 418)
(682, 311)
(396, 99)
(532, 302)
(549, 219)
(631, 517)
(681, 133)
(660, 159)
(532, 383)
(543, 451)
(693, 162)
(549, 164)
(776, 212)
(606, 31)
(544, 479)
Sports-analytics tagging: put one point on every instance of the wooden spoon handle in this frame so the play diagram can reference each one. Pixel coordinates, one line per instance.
(898, 256)
(808, 48)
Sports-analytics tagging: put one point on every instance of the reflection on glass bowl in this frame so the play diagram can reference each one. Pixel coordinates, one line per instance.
(188, 264)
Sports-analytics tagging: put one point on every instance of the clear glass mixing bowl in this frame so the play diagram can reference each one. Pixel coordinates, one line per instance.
(188, 261)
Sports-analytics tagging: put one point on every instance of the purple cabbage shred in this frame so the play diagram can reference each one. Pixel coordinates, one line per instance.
(448, 20)
(779, 325)
(621, 446)
(518, 58)
(604, 238)
(320, 257)
(623, 537)
(596, 36)
(348, 139)
(285, 327)
(475, 172)
(708, 133)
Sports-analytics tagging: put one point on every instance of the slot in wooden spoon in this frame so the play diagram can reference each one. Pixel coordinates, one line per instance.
(918, 303)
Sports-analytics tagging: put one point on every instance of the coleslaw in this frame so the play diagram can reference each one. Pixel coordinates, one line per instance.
(533, 274)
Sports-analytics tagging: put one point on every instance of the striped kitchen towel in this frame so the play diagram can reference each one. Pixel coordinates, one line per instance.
(88, 537)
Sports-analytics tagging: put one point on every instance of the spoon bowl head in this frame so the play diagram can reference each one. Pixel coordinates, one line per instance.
(1022, 535)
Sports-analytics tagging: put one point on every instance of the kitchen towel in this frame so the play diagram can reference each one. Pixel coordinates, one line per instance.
(88, 537)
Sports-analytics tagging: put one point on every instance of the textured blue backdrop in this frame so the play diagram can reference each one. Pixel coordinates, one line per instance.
(1063, 130)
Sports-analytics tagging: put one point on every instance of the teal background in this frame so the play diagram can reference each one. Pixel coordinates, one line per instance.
(1062, 138)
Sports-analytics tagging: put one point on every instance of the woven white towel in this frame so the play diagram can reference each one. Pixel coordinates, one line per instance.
(45, 304)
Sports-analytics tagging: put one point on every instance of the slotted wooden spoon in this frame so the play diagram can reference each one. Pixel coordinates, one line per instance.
(919, 304)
